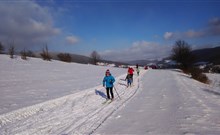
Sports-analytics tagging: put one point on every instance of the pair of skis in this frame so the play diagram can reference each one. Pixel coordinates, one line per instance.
(107, 102)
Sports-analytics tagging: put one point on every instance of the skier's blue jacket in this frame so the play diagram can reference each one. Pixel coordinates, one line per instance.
(108, 81)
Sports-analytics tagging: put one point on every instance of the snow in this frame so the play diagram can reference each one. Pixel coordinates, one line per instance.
(214, 81)
(40, 97)
(25, 83)
(168, 102)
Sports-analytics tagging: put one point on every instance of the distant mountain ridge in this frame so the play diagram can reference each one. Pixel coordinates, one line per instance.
(81, 58)
(142, 62)
(211, 55)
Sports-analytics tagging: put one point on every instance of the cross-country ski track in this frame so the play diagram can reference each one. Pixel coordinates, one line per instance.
(169, 102)
(57, 98)
(80, 113)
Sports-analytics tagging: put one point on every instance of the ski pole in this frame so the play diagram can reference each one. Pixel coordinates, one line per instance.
(117, 92)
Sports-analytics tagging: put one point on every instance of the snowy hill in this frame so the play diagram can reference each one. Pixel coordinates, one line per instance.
(80, 58)
(39, 97)
(211, 55)
(25, 83)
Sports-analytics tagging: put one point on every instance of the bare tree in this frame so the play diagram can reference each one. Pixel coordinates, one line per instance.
(11, 51)
(30, 53)
(45, 54)
(23, 54)
(1, 48)
(181, 53)
(95, 57)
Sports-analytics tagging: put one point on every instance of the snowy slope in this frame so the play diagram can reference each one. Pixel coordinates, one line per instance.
(160, 102)
(24, 83)
(168, 102)
(214, 81)
(78, 113)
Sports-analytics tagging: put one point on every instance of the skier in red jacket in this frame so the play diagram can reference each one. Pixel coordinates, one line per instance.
(131, 72)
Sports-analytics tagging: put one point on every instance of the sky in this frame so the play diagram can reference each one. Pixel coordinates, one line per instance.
(119, 30)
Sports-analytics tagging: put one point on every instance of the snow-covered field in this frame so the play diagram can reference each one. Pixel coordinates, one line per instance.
(25, 83)
(168, 102)
(214, 81)
(39, 97)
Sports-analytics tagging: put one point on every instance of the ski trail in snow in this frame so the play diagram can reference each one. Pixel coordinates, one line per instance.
(79, 113)
(168, 102)
(117, 107)
(199, 106)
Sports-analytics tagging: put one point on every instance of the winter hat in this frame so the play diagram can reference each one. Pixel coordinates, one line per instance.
(107, 71)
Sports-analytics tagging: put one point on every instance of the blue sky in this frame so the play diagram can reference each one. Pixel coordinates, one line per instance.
(118, 30)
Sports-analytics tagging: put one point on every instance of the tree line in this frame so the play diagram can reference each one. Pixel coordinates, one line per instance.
(45, 55)
(181, 53)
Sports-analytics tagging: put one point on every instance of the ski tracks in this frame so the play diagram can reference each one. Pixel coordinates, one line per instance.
(196, 98)
(79, 113)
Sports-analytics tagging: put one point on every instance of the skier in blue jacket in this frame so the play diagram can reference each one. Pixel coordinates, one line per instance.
(108, 83)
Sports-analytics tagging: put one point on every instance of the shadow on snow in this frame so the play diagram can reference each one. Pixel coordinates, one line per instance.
(100, 93)
(212, 92)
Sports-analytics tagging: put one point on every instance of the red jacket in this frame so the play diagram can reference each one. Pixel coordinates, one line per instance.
(130, 71)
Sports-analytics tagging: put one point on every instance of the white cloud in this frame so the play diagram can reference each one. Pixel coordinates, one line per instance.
(212, 29)
(72, 40)
(139, 50)
(194, 34)
(26, 23)
(214, 21)
(168, 35)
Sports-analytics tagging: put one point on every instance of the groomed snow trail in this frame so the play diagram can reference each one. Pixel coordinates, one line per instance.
(79, 113)
(26, 83)
(168, 102)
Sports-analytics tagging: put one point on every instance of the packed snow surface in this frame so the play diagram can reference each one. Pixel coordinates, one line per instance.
(24, 83)
(168, 102)
(40, 97)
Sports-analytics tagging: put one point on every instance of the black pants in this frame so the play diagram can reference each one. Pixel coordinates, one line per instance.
(131, 78)
(109, 91)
